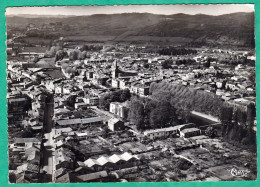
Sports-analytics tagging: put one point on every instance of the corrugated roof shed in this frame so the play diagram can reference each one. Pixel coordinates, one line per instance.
(82, 121)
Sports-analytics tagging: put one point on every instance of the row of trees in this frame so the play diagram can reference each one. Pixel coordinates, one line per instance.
(237, 125)
(116, 96)
(167, 63)
(176, 51)
(171, 104)
(184, 98)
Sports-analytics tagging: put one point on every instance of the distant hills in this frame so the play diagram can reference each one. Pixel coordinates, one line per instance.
(235, 29)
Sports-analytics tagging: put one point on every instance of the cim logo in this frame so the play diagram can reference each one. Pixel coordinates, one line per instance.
(239, 173)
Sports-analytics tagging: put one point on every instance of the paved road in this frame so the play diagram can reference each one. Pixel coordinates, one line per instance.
(102, 112)
(205, 116)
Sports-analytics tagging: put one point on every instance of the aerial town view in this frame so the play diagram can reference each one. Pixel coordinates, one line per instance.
(139, 93)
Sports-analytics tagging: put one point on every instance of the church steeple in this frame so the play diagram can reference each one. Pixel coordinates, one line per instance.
(115, 71)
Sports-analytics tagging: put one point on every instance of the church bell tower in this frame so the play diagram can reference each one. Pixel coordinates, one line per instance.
(115, 71)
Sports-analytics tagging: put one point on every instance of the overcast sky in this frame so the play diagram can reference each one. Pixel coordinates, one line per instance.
(155, 9)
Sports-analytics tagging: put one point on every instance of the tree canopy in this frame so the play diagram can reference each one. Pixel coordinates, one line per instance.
(115, 96)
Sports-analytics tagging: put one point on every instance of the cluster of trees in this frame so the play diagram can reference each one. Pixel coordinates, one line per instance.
(187, 99)
(72, 55)
(75, 54)
(146, 65)
(60, 54)
(235, 61)
(207, 63)
(211, 132)
(69, 69)
(251, 77)
(167, 64)
(237, 125)
(71, 100)
(183, 164)
(186, 62)
(27, 132)
(52, 51)
(115, 96)
(176, 51)
(151, 114)
(136, 113)
(86, 47)
(42, 34)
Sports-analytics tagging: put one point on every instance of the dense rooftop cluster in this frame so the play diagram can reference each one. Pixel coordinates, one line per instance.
(100, 113)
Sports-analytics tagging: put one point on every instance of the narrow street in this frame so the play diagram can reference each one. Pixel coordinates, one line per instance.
(49, 149)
